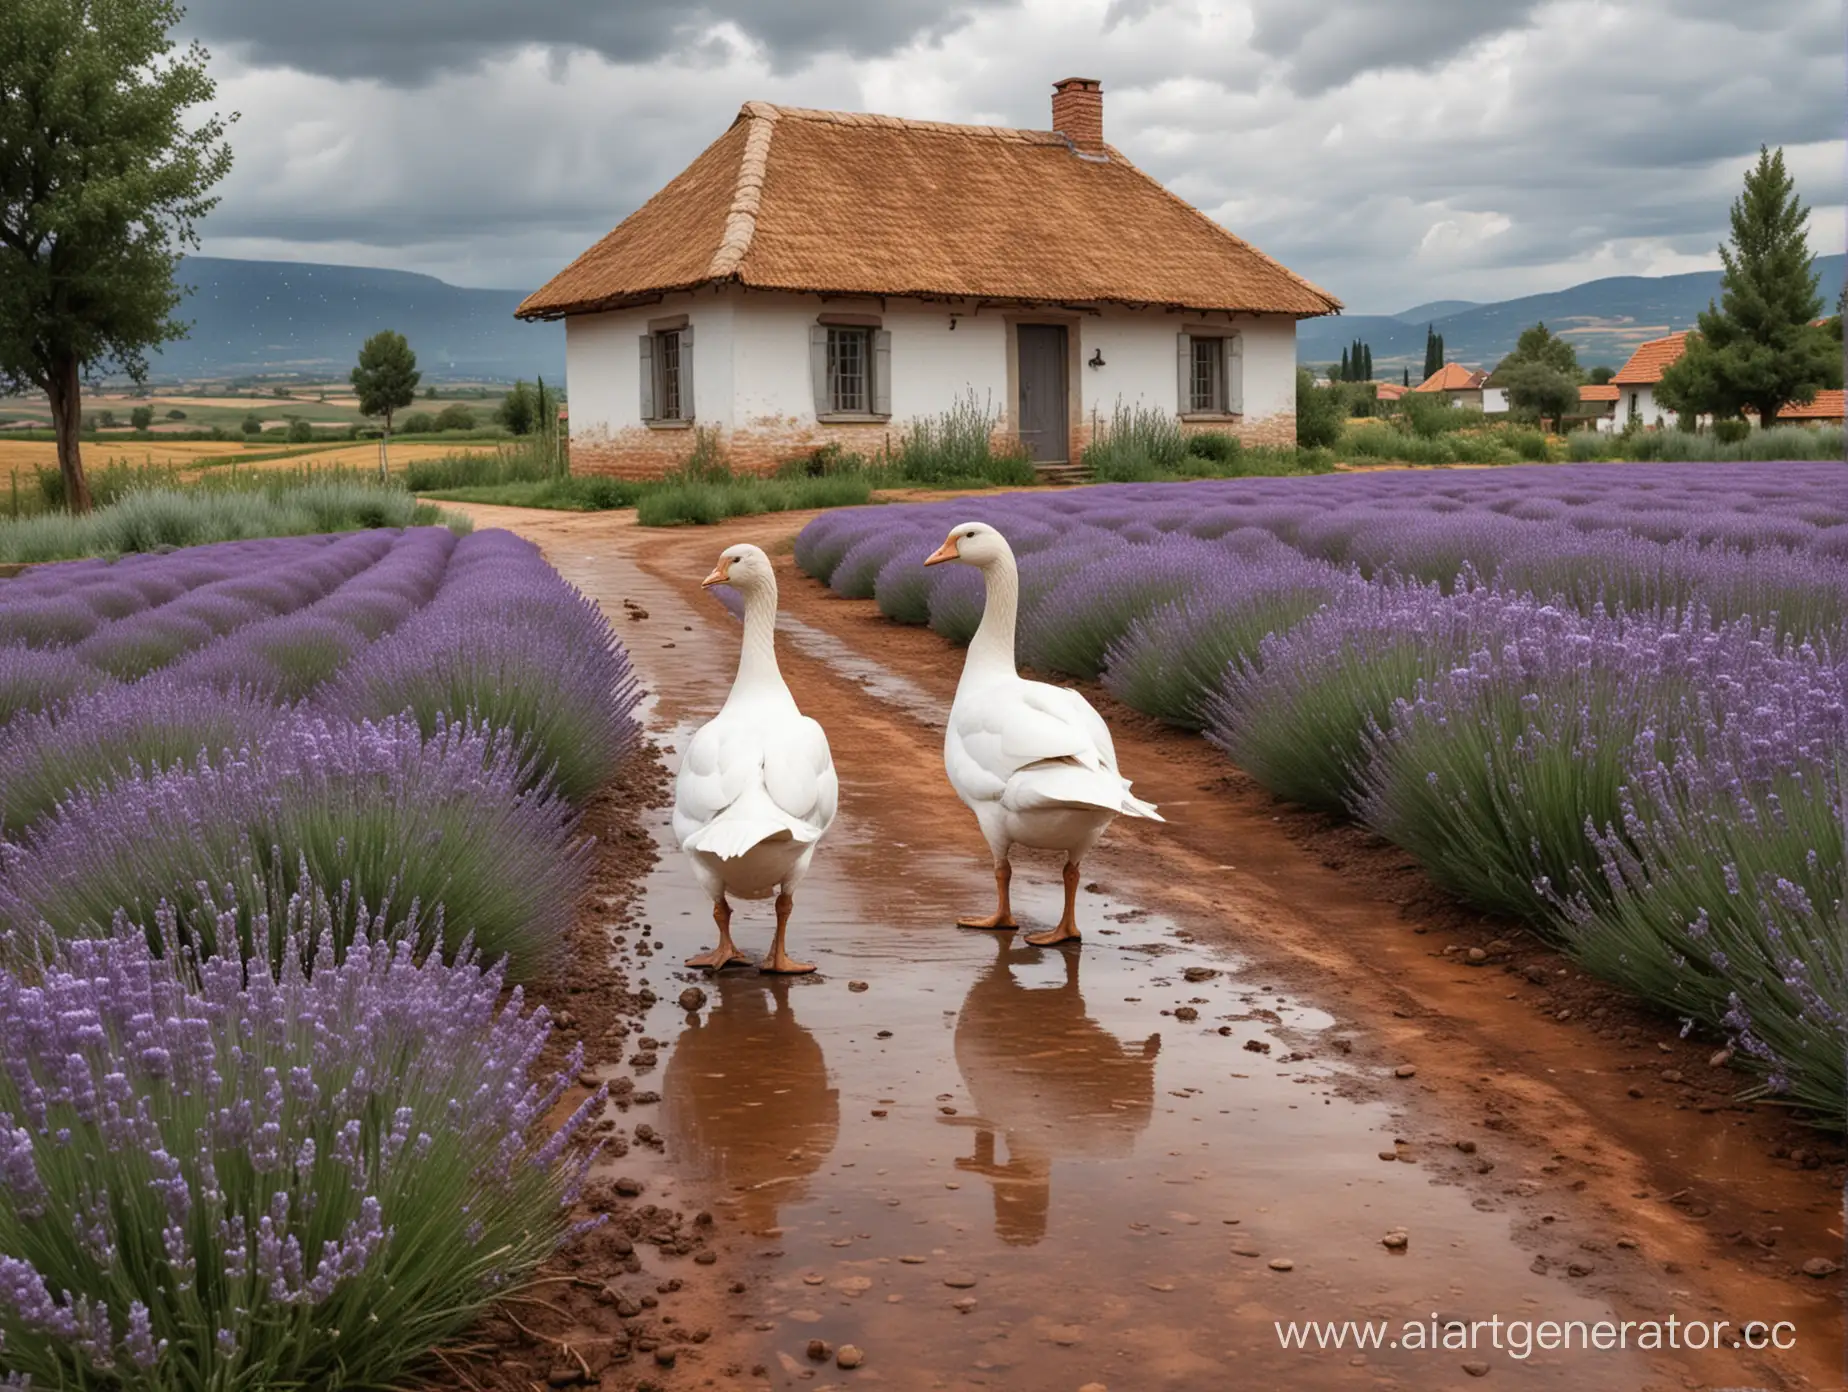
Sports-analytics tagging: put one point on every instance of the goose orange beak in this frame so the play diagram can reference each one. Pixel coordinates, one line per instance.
(721, 574)
(945, 552)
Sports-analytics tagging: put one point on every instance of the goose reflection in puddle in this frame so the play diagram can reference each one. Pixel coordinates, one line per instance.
(746, 1100)
(1049, 1081)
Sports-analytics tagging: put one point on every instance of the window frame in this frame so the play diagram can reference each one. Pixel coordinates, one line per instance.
(1228, 394)
(1212, 349)
(662, 375)
(862, 336)
(876, 383)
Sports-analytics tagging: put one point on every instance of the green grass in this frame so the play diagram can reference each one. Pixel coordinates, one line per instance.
(573, 493)
(156, 518)
(700, 502)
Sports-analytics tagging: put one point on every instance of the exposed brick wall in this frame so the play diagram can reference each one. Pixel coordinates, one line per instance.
(1078, 111)
(640, 453)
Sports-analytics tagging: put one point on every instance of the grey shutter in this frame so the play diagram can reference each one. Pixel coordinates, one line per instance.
(648, 407)
(818, 367)
(1183, 372)
(687, 411)
(1235, 374)
(882, 372)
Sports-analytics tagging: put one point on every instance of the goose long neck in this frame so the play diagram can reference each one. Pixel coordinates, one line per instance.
(992, 648)
(758, 674)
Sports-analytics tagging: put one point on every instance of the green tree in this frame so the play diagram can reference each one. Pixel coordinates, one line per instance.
(105, 168)
(1434, 356)
(1405, 377)
(253, 424)
(456, 417)
(141, 417)
(1541, 375)
(301, 431)
(1366, 362)
(1343, 375)
(1602, 373)
(1757, 349)
(517, 411)
(385, 381)
(1319, 412)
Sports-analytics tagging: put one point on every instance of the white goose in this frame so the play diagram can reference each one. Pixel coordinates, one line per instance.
(1034, 762)
(756, 787)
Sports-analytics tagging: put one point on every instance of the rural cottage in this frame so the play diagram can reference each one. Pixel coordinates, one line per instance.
(820, 277)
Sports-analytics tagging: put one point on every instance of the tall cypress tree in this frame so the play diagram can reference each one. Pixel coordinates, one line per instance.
(1434, 355)
(1757, 349)
(1405, 377)
(1342, 375)
(1366, 362)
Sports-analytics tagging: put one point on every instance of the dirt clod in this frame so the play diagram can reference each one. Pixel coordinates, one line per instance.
(692, 999)
(850, 1356)
(820, 1350)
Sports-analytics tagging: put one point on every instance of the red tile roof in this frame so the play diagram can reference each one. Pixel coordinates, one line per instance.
(1826, 407)
(1648, 361)
(1453, 377)
(853, 204)
(1593, 391)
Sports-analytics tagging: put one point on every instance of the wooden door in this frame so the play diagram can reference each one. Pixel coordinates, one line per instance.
(1044, 415)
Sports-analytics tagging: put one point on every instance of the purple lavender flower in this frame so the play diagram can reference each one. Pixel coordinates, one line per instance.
(340, 1282)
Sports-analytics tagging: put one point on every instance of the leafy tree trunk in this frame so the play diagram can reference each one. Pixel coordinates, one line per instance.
(385, 450)
(64, 387)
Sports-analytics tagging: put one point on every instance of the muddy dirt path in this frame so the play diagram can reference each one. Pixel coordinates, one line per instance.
(985, 1164)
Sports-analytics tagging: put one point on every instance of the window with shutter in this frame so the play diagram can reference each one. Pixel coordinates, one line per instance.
(1206, 386)
(851, 366)
(667, 398)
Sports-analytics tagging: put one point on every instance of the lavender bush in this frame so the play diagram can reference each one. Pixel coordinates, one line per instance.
(226, 1174)
(1490, 679)
(507, 643)
(91, 741)
(438, 823)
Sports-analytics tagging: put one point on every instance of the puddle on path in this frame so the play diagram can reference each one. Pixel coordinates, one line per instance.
(1002, 1166)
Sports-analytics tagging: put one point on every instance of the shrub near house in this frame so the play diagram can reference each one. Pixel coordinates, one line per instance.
(1037, 272)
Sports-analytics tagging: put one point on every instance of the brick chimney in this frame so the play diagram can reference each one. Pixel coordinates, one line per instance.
(1078, 111)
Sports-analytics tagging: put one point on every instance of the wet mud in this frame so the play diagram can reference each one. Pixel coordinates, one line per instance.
(1257, 1094)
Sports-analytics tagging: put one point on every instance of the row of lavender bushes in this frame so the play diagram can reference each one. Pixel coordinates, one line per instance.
(1611, 702)
(282, 821)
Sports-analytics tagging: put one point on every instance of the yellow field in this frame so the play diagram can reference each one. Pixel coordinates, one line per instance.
(195, 455)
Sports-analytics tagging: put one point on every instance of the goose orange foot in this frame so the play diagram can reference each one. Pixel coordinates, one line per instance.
(722, 956)
(779, 960)
(1002, 919)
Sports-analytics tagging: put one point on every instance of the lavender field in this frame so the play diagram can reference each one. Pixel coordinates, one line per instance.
(1611, 701)
(280, 821)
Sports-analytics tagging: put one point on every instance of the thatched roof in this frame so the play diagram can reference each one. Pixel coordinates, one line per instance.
(849, 204)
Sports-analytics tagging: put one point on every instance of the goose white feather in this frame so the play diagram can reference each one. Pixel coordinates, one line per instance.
(756, 789)
(1034, 762)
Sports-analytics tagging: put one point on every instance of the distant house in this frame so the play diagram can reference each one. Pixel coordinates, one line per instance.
(1826, 409)
(825, 277)
(1637, 380)
(1390, 391)
(1598, 404)
(1466, 386)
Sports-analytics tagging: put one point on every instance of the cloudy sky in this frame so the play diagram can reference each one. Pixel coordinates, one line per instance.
(1393, 152)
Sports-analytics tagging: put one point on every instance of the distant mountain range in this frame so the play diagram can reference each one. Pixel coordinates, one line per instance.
(272, 318)
(283, 318)
(1604, 320)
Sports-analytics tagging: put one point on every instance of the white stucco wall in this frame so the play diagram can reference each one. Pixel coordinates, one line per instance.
(603, 363)
(1140, 366)
(933, 365)
(751, 371)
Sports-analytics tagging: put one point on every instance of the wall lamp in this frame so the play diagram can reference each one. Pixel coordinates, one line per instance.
(1097, 357)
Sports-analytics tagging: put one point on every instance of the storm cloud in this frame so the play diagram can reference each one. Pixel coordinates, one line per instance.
(1454, 150)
